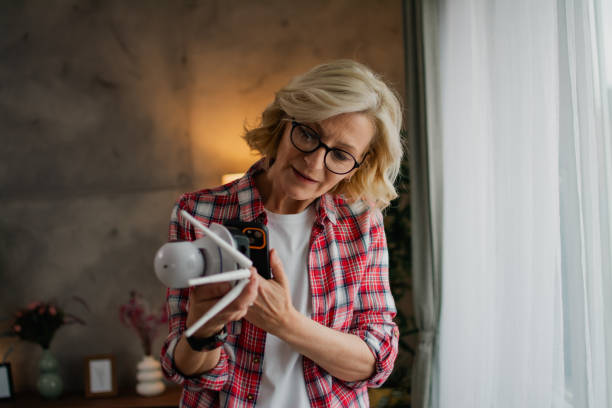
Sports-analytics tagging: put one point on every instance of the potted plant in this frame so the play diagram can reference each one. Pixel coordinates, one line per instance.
(137, 314)
(38, 323)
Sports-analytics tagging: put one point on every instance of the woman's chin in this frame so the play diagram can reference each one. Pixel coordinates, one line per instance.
(297, 193)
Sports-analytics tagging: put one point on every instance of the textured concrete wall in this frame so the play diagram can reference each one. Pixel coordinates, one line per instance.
(110, 109)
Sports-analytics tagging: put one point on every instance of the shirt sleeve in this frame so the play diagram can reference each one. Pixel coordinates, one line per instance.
(374, 309)
(177, 305)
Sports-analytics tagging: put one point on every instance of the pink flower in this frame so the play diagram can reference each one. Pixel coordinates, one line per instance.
(33, 305)
(39, 322)
(136, 314)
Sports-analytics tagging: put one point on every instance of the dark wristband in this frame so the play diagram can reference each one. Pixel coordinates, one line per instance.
(207, 343)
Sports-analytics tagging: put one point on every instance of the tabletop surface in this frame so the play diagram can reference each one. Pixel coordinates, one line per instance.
(125, 399)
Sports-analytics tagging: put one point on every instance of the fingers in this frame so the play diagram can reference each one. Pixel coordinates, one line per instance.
(210, 291)
(278, 271)
(204, 297)
(249, 293)
(239, 307)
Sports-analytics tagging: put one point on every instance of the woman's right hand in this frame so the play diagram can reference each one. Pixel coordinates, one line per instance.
(202, 298)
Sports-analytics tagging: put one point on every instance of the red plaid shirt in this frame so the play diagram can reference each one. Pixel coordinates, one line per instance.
(348, 271)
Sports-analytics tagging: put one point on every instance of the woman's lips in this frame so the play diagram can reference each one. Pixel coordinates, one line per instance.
(303, 177)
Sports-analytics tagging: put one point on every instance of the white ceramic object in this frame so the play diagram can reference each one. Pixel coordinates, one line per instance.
(149, 376)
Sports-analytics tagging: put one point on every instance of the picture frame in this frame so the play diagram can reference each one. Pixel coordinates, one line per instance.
(6, 382)
(100, 376)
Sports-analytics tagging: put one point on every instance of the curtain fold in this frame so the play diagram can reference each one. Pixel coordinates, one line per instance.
(425, 274)
(520, 197)
(586, 203)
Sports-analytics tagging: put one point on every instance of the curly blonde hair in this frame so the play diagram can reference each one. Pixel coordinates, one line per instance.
(331, 89)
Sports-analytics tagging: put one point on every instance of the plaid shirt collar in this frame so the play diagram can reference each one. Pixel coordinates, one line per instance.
(251, 204)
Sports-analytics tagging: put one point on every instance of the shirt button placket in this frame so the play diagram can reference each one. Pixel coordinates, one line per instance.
(256, 361)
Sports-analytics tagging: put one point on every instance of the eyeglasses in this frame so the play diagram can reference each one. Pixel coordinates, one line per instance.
(306, 140)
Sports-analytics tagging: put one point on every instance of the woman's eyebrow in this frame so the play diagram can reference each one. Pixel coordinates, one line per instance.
(316, 127)
(340, 145)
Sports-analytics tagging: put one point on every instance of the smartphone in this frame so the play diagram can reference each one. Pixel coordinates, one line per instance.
(252, 240)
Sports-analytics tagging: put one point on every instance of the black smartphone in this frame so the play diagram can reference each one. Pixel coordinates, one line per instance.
(252, 240)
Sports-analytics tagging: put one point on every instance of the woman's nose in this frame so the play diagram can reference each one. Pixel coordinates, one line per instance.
(316, 159)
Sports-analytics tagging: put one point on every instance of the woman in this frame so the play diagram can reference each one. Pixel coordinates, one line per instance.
(321, 330)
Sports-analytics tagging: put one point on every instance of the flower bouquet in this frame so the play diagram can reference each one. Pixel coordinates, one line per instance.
(137, 314)
(39, 322)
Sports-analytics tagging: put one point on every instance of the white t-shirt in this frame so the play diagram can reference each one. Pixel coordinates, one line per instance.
(282, 383)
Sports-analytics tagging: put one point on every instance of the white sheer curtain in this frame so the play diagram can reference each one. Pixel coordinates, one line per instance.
(524, 172)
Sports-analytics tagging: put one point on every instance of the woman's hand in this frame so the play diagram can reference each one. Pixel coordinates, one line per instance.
(272, 308)
(343, 355)
(202, 298)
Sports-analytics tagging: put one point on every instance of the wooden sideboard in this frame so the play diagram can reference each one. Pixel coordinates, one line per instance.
(126, 399)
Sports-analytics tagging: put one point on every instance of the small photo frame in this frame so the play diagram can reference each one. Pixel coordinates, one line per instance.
(6, 382)
(100, 378)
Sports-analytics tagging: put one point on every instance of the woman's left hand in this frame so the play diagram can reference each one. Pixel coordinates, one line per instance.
(343, 355)
(272, 308)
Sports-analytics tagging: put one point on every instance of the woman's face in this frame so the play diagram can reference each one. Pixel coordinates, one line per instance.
(301, 178)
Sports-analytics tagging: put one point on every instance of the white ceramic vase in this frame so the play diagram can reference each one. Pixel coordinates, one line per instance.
(149, 377)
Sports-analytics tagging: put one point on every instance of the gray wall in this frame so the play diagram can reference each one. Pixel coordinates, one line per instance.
(110, 109)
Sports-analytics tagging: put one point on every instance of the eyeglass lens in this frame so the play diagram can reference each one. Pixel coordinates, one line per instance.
(307, 140)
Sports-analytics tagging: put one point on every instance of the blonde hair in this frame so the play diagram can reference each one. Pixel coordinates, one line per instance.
(331, 89)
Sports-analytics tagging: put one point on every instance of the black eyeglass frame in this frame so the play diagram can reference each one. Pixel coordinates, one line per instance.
(328, 149)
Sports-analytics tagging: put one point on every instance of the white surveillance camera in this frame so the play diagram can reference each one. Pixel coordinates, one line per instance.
(212, 258)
